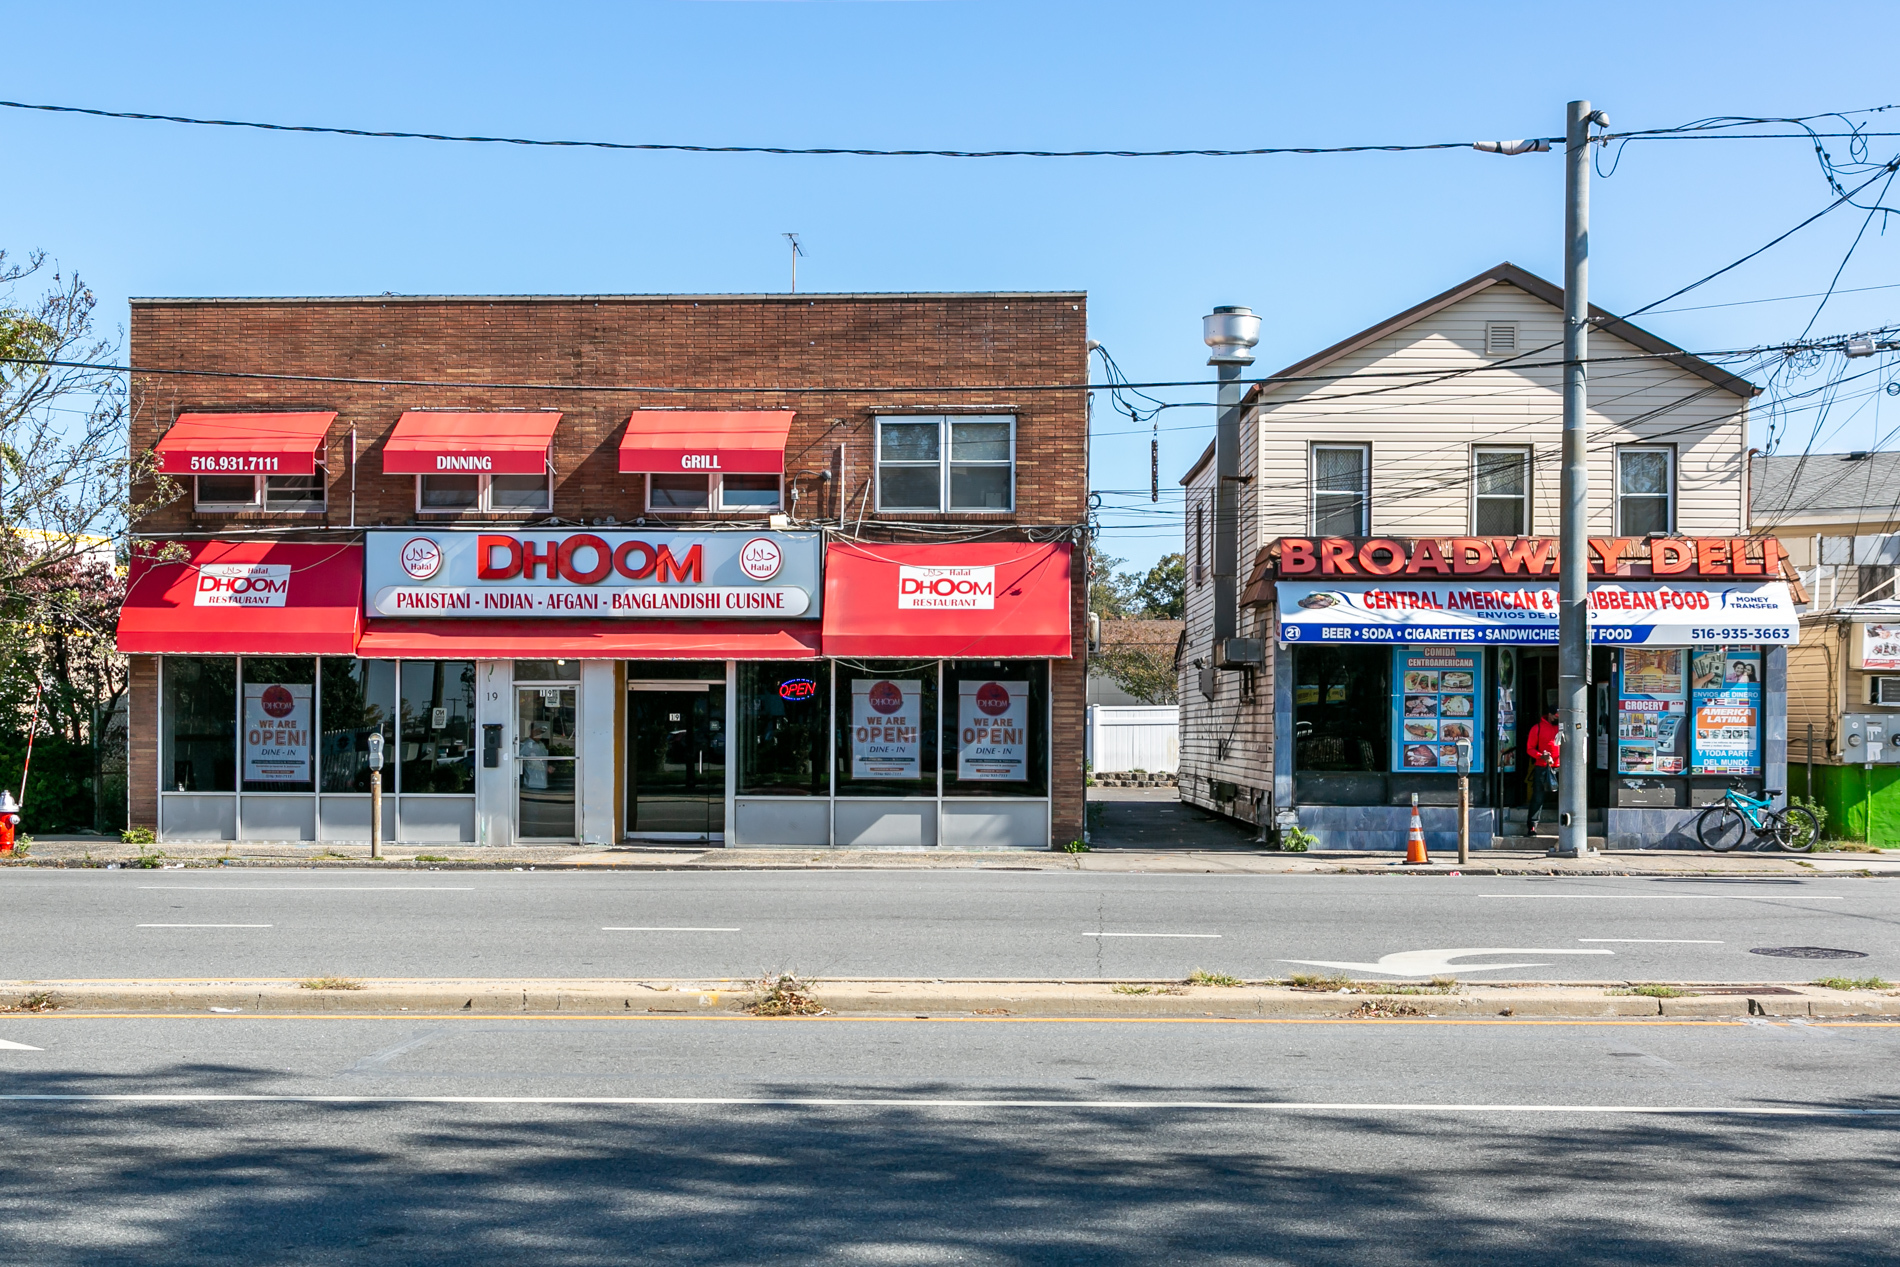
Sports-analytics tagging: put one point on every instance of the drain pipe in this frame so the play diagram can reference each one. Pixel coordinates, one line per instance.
(1230, 334)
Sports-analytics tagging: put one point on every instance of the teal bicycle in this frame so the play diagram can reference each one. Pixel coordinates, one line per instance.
(1737, 816)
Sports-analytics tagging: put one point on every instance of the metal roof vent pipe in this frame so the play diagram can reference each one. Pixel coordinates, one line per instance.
(1230, 333)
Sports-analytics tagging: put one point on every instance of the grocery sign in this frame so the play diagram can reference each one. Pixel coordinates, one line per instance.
(432, 574)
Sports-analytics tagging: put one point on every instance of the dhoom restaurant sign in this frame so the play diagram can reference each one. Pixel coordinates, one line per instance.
(558, 572)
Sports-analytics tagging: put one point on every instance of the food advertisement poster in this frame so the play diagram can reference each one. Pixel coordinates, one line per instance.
(1651, 712)
(1435, 702)
(887, 729)
(276, 733)
(993, 731)
(1725, 703)
(1507, 709)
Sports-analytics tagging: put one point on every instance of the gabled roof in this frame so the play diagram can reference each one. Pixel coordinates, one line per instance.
(1818, 488)
(1511, 275)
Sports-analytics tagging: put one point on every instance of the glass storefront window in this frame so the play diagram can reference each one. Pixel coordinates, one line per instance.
(887, 728)
(358, 699)
(278, 720)
(436, 750)
(547, 670)
(995, 728)
(1342, 707)
(198, 749)
(784, 723)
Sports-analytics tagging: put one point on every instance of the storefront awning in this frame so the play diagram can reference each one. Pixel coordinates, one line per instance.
(737, 442)
(587, 640)
(1622, 613)
(979, 600)
(427, 442)
(243, 444)
(243, 598)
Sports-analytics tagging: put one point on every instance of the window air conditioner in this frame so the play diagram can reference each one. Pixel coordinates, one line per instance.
(1883, 690)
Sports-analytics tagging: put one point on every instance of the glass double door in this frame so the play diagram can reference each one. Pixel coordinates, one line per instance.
(676, 759)
(545, 718)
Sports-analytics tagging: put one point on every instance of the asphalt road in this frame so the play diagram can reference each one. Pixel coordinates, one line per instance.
(973, 1141)
(194, 924)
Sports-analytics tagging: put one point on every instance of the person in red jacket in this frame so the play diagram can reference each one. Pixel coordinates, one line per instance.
(1545, 746)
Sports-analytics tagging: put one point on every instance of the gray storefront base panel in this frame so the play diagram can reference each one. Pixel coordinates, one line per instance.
(786, 821)
(887, 824)
(185, 817)
(347, 817)
(1385, 826)
(430, 820)
(279, 818)
(1650, 829)
(995, 824)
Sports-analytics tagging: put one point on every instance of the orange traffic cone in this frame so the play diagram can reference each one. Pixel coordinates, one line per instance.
(1415, 854)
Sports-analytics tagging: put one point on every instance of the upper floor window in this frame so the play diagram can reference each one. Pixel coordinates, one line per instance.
(927, 463)
(260, 492)
(1342, 477)
(465, 492)
(747, 494)
(1645, 490)
(1501, 492)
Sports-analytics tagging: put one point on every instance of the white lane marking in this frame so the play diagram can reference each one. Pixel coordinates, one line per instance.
(314, 888)
(669, 930)
(1215, 936)
(1425, 963)
(201, 925)
(1658, 941)
(830, 1102)
(7, 1046)
(1679, 897)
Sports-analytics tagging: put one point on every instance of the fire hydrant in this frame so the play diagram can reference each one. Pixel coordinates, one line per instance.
(9, 821)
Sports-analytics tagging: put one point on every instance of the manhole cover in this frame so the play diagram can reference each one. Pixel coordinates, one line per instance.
(1807, 952)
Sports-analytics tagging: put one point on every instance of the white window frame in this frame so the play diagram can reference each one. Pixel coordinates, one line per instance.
(1365, 482)
(1669, 484)
(482, 506)
(945, 422)
(715, 496)
(259, 497)
(1524, 456)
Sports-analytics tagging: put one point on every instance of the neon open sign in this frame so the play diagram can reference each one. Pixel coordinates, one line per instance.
(797, 688)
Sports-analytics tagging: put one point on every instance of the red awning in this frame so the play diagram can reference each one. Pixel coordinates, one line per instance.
(243, 444)
(747, 443)
(430, 442)
(588, 640)
(244, 598)
(988, 599)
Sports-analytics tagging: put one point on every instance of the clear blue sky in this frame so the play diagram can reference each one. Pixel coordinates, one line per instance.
(1320, 246)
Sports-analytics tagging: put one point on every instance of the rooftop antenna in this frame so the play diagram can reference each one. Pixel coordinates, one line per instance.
(797, 251)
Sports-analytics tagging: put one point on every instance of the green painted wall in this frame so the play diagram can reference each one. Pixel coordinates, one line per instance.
(1850, 793)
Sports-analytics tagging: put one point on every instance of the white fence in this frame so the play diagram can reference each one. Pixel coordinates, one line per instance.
(1135, 737)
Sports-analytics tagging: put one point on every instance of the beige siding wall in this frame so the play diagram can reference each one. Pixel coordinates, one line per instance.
(1422, 430)
(1814, 683)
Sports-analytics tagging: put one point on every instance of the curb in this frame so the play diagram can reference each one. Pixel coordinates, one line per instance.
(941, 999)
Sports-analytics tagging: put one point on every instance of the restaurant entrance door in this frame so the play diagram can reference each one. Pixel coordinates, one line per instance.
(676, 760)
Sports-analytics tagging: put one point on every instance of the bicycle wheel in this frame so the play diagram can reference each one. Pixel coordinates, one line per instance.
(1794, 829)
(1721, 828)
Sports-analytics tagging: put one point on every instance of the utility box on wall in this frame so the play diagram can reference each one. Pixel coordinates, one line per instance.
(1870, 738)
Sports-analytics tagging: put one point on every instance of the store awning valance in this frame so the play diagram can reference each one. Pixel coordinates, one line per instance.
(588, 640)
(750, 442)
(1003, 600)
(429, 442)
(242, 598)
(243, 444)
(1622, 613)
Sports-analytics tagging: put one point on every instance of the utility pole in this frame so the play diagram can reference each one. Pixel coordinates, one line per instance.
(1573, 617)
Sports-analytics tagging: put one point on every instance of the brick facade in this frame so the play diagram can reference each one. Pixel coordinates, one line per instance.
(833, 345)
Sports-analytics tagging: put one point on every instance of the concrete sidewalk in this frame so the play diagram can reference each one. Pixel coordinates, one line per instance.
(97, 851)
(979, 999)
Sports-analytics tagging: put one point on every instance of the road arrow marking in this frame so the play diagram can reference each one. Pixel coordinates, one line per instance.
(7, 1046)
(1427, 963)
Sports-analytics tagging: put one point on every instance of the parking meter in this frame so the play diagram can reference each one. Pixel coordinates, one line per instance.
(375, 750)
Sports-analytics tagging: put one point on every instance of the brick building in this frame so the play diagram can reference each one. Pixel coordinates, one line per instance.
(558, 550)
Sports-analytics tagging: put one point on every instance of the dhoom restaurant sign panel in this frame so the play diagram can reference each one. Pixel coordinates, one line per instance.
(559, 572)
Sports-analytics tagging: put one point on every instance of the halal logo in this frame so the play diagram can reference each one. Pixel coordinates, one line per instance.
(761, 558)
(277, 701)
(993, 698)
(421, 558)
(887, 697)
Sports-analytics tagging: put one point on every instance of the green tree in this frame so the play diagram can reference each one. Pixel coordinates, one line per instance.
(1162, 594)
(1111, 593)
